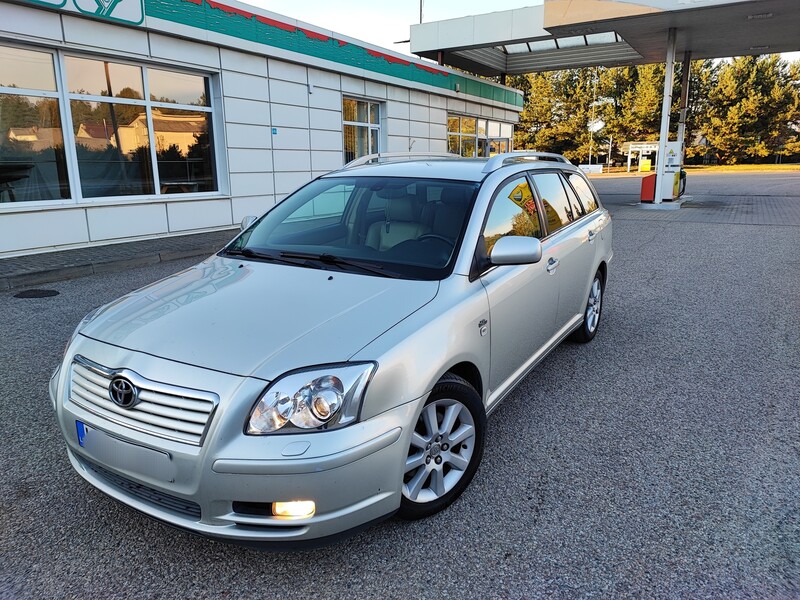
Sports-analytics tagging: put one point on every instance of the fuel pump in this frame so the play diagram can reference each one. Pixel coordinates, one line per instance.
(674, 184)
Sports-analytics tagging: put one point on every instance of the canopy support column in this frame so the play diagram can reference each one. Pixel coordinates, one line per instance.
(666, 104)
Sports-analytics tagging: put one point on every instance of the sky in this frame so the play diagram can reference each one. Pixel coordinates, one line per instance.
(382, 23)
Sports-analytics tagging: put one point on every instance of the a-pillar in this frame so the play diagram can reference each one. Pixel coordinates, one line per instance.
(666, 105)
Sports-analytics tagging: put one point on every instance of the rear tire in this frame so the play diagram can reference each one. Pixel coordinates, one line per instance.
(591, 314)
(445, 450)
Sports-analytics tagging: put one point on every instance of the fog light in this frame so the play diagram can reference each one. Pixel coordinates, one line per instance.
(295, 509)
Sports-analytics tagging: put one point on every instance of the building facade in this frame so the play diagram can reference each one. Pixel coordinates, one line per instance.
(133, 119)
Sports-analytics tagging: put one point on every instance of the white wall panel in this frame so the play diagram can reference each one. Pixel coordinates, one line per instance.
(324, 79)
(325, 119)
(438, 115)
(21, 20)
(396, 93)
(397, 144)
(251, 205)
(397, 127)
(102, 35)
(456, 105)
(285, 115)
(397, 110)
(326, 161)
(419, 113)
(422, 98)
(243, 62)
(22, 231)
(250, 112)
(287, 138)
(110, 222)
(204, 214)
(326, 140)
(241, 85)
(438, 101)
(284, 92)
(351, 85)
(286, 183)
(324, 98)
(438, 145)
(191, 53)
(251, 184)
(245, 160)
(421, 144)
(248, 136)
(419, 129)
(291, 160)
(438, 131)
(375, 90)
(279, 69)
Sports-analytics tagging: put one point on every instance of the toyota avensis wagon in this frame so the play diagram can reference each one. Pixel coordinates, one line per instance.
(335, 363)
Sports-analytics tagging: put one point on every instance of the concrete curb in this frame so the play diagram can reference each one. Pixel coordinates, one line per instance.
(92, 268)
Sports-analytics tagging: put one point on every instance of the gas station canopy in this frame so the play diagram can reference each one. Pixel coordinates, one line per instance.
(563, 34)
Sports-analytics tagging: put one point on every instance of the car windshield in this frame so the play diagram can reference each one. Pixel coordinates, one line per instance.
(382, 226)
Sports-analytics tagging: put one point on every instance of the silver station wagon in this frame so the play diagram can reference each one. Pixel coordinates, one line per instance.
(335, 363)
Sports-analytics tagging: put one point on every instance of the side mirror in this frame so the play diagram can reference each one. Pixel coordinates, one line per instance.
(247, 221)
(516, 250)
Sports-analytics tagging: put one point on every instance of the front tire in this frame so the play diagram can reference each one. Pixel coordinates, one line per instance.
(445, 450)
(591, 316)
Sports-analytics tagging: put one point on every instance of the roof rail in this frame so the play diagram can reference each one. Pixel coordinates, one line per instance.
(396, 156)
(510, 158)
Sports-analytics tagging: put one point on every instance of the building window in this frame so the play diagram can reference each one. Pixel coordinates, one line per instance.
(127, 129)
(362, 128)
(32, 161)
(469, 136)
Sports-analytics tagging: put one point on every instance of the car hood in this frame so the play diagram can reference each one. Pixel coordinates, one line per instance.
(258, 319)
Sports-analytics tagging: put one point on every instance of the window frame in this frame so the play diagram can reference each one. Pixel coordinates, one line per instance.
(64, 98)
(368, 124)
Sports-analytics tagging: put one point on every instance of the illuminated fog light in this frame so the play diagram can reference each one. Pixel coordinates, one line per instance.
(294, 509)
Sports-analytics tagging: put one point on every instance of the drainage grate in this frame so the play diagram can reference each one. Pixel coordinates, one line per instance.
(36, 294)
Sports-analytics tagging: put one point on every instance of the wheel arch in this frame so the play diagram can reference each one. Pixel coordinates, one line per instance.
(470, 373)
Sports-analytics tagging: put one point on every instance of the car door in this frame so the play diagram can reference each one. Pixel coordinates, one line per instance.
(569, 246)
(522, 298)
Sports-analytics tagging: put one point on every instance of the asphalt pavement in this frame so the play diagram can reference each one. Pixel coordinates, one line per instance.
(660, 460)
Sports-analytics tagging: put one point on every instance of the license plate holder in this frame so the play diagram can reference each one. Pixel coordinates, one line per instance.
(124, 456)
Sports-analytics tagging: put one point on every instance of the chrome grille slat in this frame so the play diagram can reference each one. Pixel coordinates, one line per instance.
(172, 413)
(166, 411)
(200, 406)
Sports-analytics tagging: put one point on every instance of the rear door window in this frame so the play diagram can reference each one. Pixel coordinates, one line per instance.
(558, 211)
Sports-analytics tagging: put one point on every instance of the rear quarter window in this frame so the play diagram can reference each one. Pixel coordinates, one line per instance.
(584, 192)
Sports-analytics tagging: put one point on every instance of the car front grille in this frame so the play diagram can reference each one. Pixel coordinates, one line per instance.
(166, 411)
(186, 508)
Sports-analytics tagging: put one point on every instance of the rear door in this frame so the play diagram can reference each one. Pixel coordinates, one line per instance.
(523, 299)
(569, 245)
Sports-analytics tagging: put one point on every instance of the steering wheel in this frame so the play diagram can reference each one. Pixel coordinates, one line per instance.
(435, 236)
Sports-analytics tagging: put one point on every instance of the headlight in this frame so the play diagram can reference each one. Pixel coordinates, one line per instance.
(322, 398)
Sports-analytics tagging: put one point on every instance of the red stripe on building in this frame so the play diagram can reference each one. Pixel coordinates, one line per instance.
(230, 9)
(274, 23)
(388, 57)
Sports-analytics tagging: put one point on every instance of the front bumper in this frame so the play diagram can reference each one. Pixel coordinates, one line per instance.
(225, 488)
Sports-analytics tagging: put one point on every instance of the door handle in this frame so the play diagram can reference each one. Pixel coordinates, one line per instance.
(552, 265)
(592, 235)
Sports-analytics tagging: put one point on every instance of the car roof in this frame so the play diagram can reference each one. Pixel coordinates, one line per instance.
(447, 166)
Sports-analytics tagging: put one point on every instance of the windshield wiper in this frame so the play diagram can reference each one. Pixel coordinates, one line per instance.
(250, 253)
(331, 259)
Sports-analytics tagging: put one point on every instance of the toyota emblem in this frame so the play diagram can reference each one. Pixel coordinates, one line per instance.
(123, 393)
